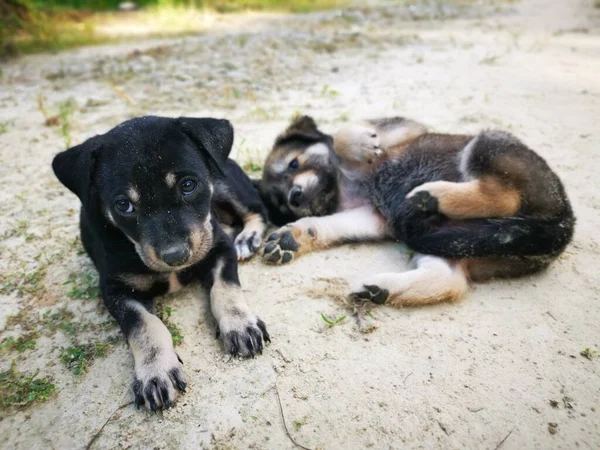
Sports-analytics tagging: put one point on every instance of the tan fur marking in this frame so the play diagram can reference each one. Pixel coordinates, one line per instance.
(174, 284)
(133, 194)
(434, 280)
(356, 224)
(137, 281)
(479, 198)
(306, 179)
(170, 179)
(254, 223)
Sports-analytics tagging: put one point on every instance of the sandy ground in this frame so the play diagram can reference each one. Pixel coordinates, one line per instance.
(478, 374)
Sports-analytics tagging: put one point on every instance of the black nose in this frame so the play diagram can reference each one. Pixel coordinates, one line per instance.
(176, 255)
(295, 196)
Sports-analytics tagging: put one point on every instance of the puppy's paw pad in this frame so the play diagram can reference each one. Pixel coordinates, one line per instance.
(243, 334)
(370, 293)
(424, 201)
(157, 381)
(280, 248)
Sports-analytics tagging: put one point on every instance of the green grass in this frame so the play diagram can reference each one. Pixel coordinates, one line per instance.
(22, 343)
(78, 358)
(83, 286)
(28, 26)
(18, 389)
(588, 353)
(30, 283)
(332, 322)
(164, 314)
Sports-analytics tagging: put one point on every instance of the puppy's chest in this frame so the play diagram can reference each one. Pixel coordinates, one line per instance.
(159, 283)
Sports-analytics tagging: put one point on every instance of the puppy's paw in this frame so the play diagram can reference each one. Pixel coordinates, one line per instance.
(425, 197)
(158, 379)
(282, 245)
(243, 334)
(370, 293)
(247, 243)
(370, 147)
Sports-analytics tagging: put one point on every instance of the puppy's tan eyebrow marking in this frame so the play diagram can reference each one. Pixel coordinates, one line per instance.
(319, 149)
(170, 179)
(134, 195)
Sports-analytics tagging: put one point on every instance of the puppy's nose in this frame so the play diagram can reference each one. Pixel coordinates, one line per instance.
(176, 255)
(295, 196)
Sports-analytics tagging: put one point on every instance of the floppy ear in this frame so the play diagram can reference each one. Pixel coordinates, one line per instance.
(303, 129)
(75, 167)
(214, 136)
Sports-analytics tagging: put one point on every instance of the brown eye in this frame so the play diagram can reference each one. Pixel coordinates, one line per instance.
(124, 206)
(294, 164)
(188, 186)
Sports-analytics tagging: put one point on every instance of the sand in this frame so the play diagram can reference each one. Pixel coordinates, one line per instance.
(482, 373)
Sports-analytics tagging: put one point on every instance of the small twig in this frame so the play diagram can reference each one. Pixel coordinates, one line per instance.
(550, 314)
(406, 377)
(502, 441)
(474, 410)
(99, 432)
(284, 422)
(443, 427)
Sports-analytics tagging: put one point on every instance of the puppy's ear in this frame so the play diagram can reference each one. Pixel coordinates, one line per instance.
(75, 167)
(303, 129)
(213, 136)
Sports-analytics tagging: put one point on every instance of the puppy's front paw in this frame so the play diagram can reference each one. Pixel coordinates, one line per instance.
(243, 334)
(247, 243)
(157, 379)
(281, 246)
(370, 293)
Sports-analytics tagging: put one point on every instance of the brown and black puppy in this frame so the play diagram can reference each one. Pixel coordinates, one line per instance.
(475, 207)
(152, 192)
(298, 177)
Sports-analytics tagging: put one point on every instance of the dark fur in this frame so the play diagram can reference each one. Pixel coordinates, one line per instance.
(139, 154)
(275, 186)
(511, 246)
(543, 226)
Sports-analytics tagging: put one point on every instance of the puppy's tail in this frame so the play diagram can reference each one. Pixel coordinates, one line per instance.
(510, 236)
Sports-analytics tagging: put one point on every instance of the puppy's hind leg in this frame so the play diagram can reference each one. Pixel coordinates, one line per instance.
(433, 280)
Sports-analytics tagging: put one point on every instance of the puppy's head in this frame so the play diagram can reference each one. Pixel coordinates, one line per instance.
(152, 178)
(299, 178)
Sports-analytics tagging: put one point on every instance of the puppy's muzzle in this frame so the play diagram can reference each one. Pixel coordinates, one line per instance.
(176, 255)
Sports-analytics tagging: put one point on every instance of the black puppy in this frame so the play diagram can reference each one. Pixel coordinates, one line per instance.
(149, 190)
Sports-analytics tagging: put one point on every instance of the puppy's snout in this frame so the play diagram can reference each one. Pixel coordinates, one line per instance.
(296, 196)
(176, 255)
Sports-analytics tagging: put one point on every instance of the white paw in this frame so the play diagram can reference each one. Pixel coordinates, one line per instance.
(158, 378)
(247, 243)
(243, 333)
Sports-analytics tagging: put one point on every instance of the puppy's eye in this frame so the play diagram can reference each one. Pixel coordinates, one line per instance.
(124, 206)
(188, 186)
(294, 164)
